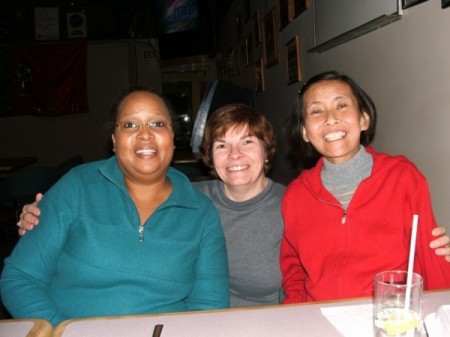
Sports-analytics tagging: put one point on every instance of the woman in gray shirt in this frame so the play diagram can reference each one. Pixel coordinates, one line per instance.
(239, 146)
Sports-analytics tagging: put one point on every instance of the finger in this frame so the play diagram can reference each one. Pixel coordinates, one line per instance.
(29, 209)
(20, 229)
(36, 211)
(29, 220)
(22, 232)
(27, 225)
(438, 231)
(444, 251)
(39, 197)
(440, 242)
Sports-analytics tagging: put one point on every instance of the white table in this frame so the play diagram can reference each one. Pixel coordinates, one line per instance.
(275, 321)
(25, 328)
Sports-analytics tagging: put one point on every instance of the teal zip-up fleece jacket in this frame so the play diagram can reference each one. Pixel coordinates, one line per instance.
(85, 259)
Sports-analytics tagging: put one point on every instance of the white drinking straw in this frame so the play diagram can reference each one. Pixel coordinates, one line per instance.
(412, 249)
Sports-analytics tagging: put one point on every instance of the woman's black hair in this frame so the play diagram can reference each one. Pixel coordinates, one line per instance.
(111, 124)
(301, 149)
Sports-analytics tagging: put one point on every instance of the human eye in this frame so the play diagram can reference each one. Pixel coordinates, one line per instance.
(219, 146)
(130, 125)
(342, 105)
(315, 111)
(158, 125)
(248, 140)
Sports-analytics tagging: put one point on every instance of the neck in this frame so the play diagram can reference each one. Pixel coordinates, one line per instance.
(148, 190)
(245, 192)
(147, 197)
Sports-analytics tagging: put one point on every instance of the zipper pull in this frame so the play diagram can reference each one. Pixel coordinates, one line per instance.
(344, 217)
(141, 233)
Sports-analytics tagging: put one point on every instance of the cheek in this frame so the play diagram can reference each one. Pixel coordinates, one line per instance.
(258, 155)
(217, 160)
(121, 142)
(125, 145)
(165, 140)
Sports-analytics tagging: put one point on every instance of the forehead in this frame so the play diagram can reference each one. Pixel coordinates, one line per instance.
(142, 102)
(232, 131)
(325, 90)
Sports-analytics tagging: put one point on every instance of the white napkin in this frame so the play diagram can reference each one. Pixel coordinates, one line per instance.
(438, 323)
(351, 320)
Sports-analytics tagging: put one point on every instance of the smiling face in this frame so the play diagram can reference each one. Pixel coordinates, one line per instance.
(238, 159)
(143, 153)
(333, 121)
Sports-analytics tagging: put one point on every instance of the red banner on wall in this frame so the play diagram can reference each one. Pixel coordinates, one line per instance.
(49, 79)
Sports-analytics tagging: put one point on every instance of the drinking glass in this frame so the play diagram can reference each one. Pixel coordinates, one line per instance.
(397, 306)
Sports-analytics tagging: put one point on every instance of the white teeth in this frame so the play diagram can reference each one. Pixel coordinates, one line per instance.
(335, 136)
(237, 168)
(145, 151)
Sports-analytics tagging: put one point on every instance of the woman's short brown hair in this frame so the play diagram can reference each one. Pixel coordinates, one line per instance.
(237, 115)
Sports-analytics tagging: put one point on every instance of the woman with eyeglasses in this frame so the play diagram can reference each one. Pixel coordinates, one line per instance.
(126, 235)
(239, 148)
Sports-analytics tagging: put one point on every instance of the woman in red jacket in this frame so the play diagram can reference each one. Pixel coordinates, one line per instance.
(350, 216)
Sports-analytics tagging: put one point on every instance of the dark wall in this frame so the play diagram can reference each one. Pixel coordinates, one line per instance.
(105, 19)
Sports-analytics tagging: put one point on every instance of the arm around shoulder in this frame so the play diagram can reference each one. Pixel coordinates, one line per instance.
(211, 288)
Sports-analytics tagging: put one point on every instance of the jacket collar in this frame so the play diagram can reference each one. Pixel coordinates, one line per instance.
(183, 194)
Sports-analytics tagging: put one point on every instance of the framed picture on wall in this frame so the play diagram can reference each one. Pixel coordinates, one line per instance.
(260, 84)
(445, 3)
(237, 60)
(284, 12)
(248, 43)
(410, 3)
(293, 64)
(243, 54)
(257, 28)
(299, 6)
(247, 10)
(239, 24)
(270, 39)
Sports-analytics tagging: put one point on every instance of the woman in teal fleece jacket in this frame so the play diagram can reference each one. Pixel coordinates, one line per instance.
(126, 235)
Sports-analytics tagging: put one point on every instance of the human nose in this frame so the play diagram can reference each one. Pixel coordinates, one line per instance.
(330, 117)
(235, 152)
(145, 130)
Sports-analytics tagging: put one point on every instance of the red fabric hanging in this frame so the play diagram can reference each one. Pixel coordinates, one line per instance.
(49, 79)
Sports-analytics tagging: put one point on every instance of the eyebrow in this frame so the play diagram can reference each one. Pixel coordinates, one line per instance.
(135, 117)
(342, 96)
(247, 135)
(334, 99)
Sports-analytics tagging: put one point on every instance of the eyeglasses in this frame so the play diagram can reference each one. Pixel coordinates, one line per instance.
(136, 126)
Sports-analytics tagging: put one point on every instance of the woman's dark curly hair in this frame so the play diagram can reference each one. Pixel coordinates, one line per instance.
(237, 115)
(296, 121)
(114, 112)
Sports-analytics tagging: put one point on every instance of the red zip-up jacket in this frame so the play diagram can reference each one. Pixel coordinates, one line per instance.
(328, 253)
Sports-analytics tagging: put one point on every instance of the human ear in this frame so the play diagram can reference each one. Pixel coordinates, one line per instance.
(364, 121)
(305, 135)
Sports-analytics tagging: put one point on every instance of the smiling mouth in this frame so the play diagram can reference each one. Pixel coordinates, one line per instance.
(146, 152)
(335, 136)
(237, 168)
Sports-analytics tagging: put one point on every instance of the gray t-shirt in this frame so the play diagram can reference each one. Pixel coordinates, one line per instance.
(253, 231)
